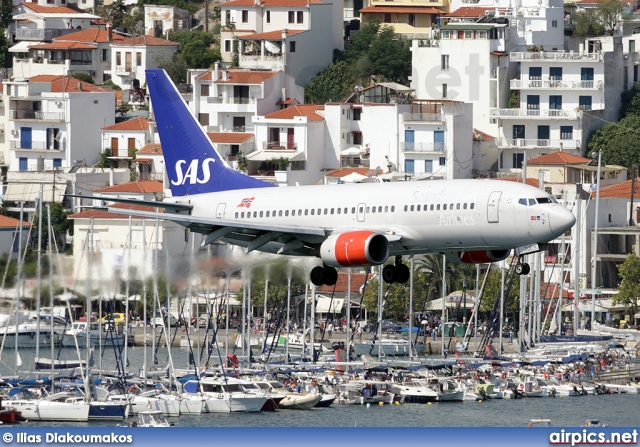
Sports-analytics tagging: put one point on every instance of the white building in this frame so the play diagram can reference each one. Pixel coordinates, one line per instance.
(10, 236)
(295, 36)
(86, 51)
(55, 121)
(125, 136)
(131, 57)
(161, 19)
(150, 162)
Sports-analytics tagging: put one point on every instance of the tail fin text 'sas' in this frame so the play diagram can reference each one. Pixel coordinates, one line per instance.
(193, 164)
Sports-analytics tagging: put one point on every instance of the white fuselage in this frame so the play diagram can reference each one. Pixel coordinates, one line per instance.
(430, 216)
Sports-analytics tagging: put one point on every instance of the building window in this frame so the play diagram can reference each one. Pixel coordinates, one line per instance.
(24, 164)
(292, 46)
(482, 35)
(444, 62)
(554, 24)
(105, 53)
(444, 90)
(518, 131)
(408, 166)
(442, 161)
(518, 160)
(555, 102)
(586, 74)
(357, 137)
(138, 59)
(357, 114)
(268, 16)
(228, 46)
(204, 90)
(245, 16)
(533, 102)
(468, 34)
(292, 16)
(566, 132)
(584, 102)
(555, 73)
(118, 58)
(57, 162)
(632, 46)
(203, 118)
(535, 73)
(428, 166)
(299, 16)
(445, 34)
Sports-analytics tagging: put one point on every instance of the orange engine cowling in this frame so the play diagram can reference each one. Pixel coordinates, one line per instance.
(482, 256)
(355, 248)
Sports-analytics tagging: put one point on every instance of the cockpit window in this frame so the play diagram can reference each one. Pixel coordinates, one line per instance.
(544, 200)
(532, 202)
(523, 202)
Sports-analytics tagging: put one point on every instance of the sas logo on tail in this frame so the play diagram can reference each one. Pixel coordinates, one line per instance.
(191, 175)
(246, 202)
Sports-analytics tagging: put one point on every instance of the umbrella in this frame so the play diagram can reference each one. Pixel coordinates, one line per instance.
(134, 298)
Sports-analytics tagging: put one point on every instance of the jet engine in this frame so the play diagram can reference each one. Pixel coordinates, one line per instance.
(481, 256)
(355, 248)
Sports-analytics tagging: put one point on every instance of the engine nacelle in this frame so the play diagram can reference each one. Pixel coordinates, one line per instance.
(355, 248)
(482, 256)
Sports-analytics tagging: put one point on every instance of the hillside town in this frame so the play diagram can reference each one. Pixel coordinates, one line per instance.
(514, 90)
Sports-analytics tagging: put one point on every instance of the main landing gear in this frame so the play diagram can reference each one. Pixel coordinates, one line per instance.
(324, 276)
(522, 268)
(396, 273)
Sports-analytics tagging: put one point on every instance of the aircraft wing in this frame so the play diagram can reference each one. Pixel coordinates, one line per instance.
(168, 206)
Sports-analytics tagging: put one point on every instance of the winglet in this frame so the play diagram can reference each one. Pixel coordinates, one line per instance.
(193, 164)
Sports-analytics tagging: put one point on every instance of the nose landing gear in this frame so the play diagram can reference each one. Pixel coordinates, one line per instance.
(324, 275)
(522, 268)
(398, 272)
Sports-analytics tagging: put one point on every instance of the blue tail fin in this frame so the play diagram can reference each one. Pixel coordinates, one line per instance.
(193, 164)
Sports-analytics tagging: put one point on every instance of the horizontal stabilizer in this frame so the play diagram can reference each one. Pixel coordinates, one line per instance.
(168, 206)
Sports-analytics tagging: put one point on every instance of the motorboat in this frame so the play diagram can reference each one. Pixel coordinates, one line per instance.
(450, 392)
(391, 346)
(360, 392)
(291, 400)
(147, 401)
(224, 395)
(62, 407)
(413, 392)
(150, 418)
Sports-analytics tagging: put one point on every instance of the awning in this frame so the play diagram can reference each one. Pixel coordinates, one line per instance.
(583, 307)
(21, 47)
(451, 303)
(351, 151)
(267, 154)
(29, 192)
(326, 304)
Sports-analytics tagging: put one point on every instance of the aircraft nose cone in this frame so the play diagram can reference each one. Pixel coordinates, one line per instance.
(561, 220)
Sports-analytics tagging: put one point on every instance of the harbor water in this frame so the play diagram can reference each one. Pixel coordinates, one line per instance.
(614, 410)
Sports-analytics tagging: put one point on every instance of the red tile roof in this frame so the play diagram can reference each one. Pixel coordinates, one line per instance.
(10, 222)
(530, 181)
(470, 11)
(275, 3)
(65, 84)
(142, 186)
(104, 214)
(39, 9)
(620, 190)
(229, 137)
(247, 77)
(150, 149)
(558, 158)
(271, 35)
(343, 172)
(402, 10)
(132, 124)
(143, 160)
(357, 281)
(308, 110)
(44, 78)
(62, 46)
(90, 35)
(148, 41)
(478, 134)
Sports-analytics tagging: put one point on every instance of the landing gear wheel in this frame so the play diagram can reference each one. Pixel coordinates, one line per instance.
(389, 274)
(317, 276)
(402, 273)
(527, 268)
(330, 276)
(519, 269)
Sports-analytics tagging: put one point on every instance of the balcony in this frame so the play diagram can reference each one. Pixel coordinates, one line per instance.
(124, 70)
(517, 84)
(410, 146)
(41, 35)
(429, 43)
(230, 100)
(522, 143)
(423, 117)
(34, 146)
(277, 145)
(36, 115)
(552, 56)
(535, 113)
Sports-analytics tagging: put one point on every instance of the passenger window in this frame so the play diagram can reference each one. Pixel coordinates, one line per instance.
(286, 213)
(457, 206)
(432, 207)
(346, 210)
(532, 202)
(472, 205)
(373, 210)
(255, 214)
(444, 207)
(242, 215)
(418, 208)
(280, 213)
(523, 202)
(451, 207)
(313, 212)
(339, 210)
(236, 215)
(326, 211)
(406, 207)
(379, 209)
(438, 207)
(306, 212)
(411, 207)
(268, 213)
(368, 209)
(361, 209)
(464, 206)
(353, 210)
(319, 211)
(393, 208)
(299, 212)
(386, 209)
(260, 213)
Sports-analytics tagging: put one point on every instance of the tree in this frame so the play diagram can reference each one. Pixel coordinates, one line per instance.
(104, 159)
(630, 286)
(630, 101)
(618, 142)
(197, 48)
(60, 225)
(124, 108)
(332, 84)
(109, 83)
(492, 291)
(586, 24)
(390, 55)
(176, 67)
(610, 13)
(129, 17)
(84, 77)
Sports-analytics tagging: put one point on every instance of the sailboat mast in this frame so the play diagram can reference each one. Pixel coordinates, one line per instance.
(127, 317)
(50, 255)
(144, 298)
(39, 276)
(18, 280)
(88, 311)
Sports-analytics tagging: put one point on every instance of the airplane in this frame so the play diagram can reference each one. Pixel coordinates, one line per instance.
(347, 225)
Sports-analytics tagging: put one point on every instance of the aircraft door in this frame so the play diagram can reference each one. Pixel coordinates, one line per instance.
(361, 212)
(493, 208)
(220, 211)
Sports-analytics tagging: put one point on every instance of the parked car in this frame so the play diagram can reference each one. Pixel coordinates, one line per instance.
(388, 326)
(115, 319)
(171, 322)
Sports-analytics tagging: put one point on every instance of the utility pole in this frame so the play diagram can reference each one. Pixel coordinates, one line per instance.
(633, 190)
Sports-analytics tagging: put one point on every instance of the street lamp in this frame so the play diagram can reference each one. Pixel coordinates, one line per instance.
(595, 242)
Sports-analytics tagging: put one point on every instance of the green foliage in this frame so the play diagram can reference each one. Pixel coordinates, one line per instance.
(618, 142)
(196, 47)
(175, 66)
(587, 24)
(120, 15)
(104, 161)
(492, 291)
(375, 50)
(535, 49)
(630, 286)
(277, 273)
(191, 6)
(280, 163)
(514, 99)
(630, 101)
(60, 225)
(84, 77)
(111, 85)
(124, 108)
(242, 161)
(610, 14)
